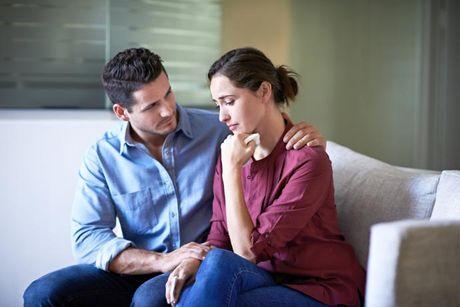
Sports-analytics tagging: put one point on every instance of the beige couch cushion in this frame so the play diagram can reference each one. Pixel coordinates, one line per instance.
(368, 191)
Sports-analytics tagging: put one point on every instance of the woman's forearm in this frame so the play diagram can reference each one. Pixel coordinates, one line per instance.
(239, 223)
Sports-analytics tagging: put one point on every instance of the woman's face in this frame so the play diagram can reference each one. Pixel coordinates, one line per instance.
(239, 108)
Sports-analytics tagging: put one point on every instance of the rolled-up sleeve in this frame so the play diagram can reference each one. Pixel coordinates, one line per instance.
(218, 235)
(94, 217)
(303, 194)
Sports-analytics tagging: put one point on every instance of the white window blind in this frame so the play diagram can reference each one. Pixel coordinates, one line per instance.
(53, 51)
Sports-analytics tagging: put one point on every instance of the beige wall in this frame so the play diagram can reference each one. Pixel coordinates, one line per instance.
(359, 61)
(361, 67)
(264, 24)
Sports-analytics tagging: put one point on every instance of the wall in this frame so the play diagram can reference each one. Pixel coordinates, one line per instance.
(40, 156)
(264, 24)
(360, 62)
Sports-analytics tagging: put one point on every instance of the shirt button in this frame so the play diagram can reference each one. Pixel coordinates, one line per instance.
(173, 214)
(249, 177)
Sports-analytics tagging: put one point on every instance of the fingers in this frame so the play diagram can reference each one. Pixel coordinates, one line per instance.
(298, 140)
(296, 128)
(182, 275)
(172, 290)
(194, 250)
(168, 287)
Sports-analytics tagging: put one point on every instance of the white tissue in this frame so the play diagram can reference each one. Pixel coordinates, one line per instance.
(253, 137)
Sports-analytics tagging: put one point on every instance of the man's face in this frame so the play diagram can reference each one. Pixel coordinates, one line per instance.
(154, 111)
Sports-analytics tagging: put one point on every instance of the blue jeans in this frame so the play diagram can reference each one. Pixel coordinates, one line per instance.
(226, 279)
(85, 285)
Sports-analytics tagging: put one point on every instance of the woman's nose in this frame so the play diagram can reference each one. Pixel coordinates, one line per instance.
(223, 116)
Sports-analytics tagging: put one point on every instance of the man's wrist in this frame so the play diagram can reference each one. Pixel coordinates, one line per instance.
(157, 261)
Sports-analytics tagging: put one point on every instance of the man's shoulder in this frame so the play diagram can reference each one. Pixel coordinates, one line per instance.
(202, 114)
(109, 138)
(204, 118)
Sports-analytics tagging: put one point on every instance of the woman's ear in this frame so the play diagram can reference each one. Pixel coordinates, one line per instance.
(121, 112)
(265, 91)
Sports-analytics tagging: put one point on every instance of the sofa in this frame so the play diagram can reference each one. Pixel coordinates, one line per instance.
(405, 227)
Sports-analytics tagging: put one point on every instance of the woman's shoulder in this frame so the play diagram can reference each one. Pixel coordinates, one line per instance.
(311, 157)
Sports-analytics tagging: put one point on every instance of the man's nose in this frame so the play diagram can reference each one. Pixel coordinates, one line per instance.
(166, 110)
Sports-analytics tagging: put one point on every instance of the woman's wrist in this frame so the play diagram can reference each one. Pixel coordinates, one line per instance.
(230, 171)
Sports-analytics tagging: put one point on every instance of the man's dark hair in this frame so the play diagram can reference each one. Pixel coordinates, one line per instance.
(127, 72)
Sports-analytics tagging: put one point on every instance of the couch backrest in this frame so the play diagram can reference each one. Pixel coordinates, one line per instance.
(368, 191)
(447, 205)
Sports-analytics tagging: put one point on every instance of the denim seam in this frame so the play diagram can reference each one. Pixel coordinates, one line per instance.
(235, 277)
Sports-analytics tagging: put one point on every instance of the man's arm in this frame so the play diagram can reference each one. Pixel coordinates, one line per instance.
(94, 242)
(138, 261)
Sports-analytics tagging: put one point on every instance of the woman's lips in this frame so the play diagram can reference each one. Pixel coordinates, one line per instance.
(232, 127)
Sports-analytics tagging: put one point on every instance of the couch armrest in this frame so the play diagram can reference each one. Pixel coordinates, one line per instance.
(414, 263)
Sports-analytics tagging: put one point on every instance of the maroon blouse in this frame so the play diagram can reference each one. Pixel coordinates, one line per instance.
(290, 198)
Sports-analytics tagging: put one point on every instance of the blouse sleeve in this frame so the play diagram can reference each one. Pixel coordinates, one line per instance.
(218, 235)
(304, 192)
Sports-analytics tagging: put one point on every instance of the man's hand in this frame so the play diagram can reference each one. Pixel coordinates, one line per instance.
(302, 134)
(170, 261)
(183, 274)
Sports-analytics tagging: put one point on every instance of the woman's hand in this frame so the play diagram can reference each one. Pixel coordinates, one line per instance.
(183, 274)
(235, 152)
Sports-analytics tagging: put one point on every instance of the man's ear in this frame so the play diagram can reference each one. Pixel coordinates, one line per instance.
(265, 91)
(120, 111)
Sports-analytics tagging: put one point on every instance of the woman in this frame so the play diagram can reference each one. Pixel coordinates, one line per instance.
(273, 208)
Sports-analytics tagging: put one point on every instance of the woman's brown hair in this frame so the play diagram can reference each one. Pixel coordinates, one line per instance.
(249, 67)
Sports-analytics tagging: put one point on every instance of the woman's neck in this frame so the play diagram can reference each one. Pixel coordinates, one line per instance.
(270, 129)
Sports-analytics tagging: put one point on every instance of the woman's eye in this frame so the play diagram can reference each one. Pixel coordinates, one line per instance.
(229, 103)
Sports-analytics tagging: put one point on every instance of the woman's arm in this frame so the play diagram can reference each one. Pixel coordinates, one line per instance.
(239, 223)
(235, 153)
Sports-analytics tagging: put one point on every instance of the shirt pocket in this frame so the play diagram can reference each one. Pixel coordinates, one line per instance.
(136, 211)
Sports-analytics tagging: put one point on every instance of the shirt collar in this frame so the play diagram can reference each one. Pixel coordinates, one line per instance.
(183, 124)
(125, 137)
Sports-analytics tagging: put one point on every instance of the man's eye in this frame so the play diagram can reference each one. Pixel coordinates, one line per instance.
(150, 106)
(217, 106)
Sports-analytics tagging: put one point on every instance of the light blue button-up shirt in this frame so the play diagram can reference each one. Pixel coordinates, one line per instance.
(160, 206)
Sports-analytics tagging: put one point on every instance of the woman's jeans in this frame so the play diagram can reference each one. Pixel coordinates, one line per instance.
(226, 279)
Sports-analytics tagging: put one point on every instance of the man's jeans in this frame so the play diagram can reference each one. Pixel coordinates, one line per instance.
(226, 279)
(85, 285)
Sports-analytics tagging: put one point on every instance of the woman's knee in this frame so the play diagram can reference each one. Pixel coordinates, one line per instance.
(151, 292)
(220, 261)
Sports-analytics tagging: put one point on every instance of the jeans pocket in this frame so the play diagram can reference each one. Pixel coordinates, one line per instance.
(136, 211)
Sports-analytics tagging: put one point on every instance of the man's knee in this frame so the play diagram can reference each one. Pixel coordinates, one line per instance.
(42, 292)
(53, 288)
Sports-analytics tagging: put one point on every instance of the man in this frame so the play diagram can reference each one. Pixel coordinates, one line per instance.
(155, 174)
